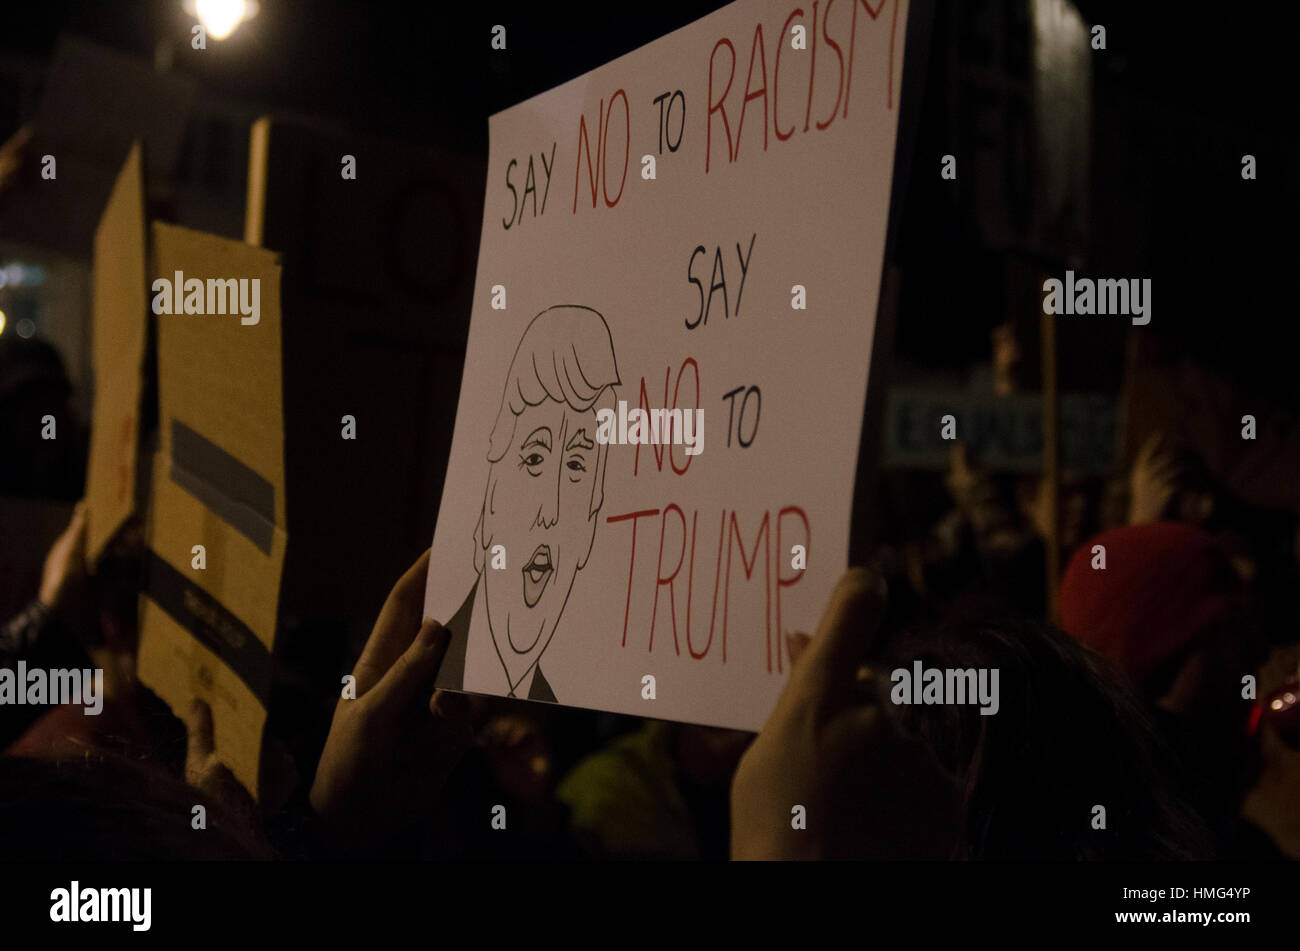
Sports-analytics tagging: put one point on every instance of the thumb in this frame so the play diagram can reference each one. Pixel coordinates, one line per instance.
(796, 644)
(77, 525)
(199, 743)
(412, 674)
(830, 663)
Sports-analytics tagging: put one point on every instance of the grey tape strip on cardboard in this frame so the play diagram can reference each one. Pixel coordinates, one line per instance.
(233, 491)
(207, 619)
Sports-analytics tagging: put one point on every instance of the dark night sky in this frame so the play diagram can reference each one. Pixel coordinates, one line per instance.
(373, 62)
(424, 73)
(419, 72)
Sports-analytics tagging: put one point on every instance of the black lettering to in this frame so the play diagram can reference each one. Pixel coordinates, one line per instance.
(731, 395)
(659, 101)
(740, 423)
(681, 125)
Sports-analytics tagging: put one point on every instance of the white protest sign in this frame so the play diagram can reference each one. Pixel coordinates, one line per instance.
(693, 232)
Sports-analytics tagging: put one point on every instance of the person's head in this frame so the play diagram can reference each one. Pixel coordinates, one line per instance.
(33, 385)
(1067, 737)
(545, 486)
(1158, 601)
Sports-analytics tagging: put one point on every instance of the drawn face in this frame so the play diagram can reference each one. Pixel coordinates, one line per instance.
(537, 506)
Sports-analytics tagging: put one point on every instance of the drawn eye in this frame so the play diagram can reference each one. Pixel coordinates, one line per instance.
(532, 460)
(576, 465)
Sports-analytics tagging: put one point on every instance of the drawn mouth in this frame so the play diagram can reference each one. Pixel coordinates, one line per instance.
(537, 573)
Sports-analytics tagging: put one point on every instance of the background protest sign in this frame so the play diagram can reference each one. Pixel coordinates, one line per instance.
(208, 619)
(1001, 433)
(397, 244)
(697, 226)
(121, 312)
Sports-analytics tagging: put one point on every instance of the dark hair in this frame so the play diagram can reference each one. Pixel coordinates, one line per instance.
(33, 383)
(1067, 736)
(105, 807)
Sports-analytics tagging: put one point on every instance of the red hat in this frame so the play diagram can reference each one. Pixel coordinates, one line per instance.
(1163, 587)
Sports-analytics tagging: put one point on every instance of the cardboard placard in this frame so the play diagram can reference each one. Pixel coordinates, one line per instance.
(218, 482)
(95, 101)
(571, 563)
(374, 336)
(120, 310)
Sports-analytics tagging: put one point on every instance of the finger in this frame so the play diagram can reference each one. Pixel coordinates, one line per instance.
(796, 643)
(845, 632)
(850, 620)
(77, 528)
(411, 675)
(76, 522)
(1157, 444)
(407, 596)
(220, 783)
(862, 726)
(199, 742)
(454, 722)
(516, 732)
(75, 563)
(959, 460)
(449, 705)
(399, 620)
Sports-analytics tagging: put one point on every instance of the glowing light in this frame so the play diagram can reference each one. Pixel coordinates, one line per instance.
(220, 18)
(2, 321)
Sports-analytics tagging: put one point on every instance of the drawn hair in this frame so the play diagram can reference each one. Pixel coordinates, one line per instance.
(566, 354)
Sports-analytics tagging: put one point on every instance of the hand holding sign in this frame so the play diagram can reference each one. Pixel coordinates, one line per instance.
(392, 746)
(65, 564)
(867, 790)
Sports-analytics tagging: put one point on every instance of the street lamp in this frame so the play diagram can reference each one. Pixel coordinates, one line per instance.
(220, 18)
